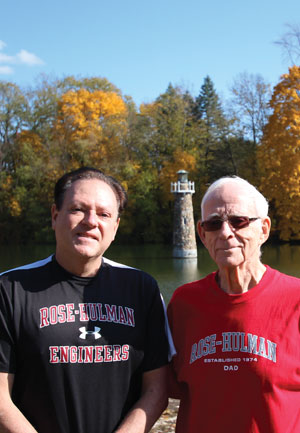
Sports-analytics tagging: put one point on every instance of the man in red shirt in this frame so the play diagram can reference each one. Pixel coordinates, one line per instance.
(236, 331)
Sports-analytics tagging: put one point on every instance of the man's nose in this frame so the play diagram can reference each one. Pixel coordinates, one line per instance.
(90, 218)
(226, 230)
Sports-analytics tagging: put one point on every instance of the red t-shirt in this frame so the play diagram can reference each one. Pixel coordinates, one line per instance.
(238, 356)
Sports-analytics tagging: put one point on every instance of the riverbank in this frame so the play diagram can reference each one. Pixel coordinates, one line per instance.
(166, 423)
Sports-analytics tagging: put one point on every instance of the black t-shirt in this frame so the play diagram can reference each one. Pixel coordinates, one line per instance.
(78, 346)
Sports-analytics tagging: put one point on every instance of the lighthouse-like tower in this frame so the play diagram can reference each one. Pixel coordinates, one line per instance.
(184, 238)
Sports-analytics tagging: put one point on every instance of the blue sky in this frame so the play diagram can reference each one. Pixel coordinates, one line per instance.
(143, 46)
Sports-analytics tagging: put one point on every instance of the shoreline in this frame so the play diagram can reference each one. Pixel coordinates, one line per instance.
(167, 421)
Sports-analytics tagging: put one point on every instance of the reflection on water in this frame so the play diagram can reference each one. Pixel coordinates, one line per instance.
(157, 260)
(285, 258)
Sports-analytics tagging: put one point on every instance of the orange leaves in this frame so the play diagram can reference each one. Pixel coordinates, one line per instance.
(89, 128)
(82, 114)
(279, 155)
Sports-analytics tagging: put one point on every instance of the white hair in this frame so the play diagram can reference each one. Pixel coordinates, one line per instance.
(260, 201)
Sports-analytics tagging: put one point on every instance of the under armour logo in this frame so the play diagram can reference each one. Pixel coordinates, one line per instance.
(84, 332)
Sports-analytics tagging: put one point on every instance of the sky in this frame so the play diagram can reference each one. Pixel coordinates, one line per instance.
(142, 46)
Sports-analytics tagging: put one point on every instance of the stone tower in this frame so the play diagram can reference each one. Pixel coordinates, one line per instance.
(184, 238)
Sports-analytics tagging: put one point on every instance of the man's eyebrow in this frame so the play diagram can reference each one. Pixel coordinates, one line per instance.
(212, 215)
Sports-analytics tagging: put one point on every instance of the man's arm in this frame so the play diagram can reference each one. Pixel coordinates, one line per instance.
(11, 419)
(151, 404)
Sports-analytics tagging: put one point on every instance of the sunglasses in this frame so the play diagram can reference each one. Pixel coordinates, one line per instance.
(237, 222)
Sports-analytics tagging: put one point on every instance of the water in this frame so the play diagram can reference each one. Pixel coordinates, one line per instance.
(157, 260)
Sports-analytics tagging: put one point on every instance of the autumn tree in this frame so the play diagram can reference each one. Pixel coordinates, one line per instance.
(279, 156)
(50, 132)
(88, 127)
(44, 98)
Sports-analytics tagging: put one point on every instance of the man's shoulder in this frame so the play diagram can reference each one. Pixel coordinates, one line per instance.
(28, 268)
(125, 269)
(194, 286)
(128, 274)
(111, 263)
(282, 278)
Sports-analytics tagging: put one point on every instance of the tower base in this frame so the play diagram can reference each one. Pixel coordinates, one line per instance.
(182, 254)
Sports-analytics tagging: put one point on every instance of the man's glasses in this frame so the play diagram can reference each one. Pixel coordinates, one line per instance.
(237, 222)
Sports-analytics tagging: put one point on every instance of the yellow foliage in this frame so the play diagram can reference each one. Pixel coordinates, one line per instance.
(82, 113)
(181, 161)
(28, 146)
(34, 139)
(7, 183)
(279, 155)
(15, 208)
(149, 109)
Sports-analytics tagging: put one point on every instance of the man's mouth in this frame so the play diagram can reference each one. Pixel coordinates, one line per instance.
(87, 236)
(229, 248)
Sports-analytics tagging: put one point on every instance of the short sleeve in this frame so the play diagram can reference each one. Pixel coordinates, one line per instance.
(156, 342)
(7, 341)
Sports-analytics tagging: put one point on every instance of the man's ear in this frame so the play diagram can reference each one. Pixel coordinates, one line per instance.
(201, 232)
(266, 227)
(116, 227)
(54, 213)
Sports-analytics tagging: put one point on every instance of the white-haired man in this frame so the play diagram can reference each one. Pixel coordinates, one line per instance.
(236, 331)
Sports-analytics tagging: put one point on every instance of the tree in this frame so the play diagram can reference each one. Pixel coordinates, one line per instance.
(162, 127)
(44, 99)
(91, 84)
(160, 136)
(215, 128)
(209, 108)
(249, 105)
(13, 116)
(57, 133)
(290, 43)
(89, 127)
(279, 156)
(25, 192)
(83, 114)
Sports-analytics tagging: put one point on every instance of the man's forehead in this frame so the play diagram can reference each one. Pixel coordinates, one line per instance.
(230, 199)
(91, 189)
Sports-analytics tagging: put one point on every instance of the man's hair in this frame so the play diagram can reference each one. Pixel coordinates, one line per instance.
(68, 179)
(260, 201)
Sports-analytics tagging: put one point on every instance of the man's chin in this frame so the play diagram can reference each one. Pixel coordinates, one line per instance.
(87, 252)
(229, 262)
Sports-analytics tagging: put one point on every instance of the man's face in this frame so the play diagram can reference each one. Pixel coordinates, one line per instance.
(231, 247)
(86, 224)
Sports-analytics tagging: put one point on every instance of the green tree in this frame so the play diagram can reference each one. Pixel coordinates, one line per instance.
(25, 193)
(215, 128)
(162, 127)
(13, 117)
(158, 135)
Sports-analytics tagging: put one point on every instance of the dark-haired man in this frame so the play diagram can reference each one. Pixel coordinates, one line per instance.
(82, 346)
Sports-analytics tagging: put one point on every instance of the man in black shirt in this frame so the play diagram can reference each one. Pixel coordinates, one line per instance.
(82, 341)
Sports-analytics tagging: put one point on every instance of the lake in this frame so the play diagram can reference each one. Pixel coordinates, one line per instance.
(157, 260)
